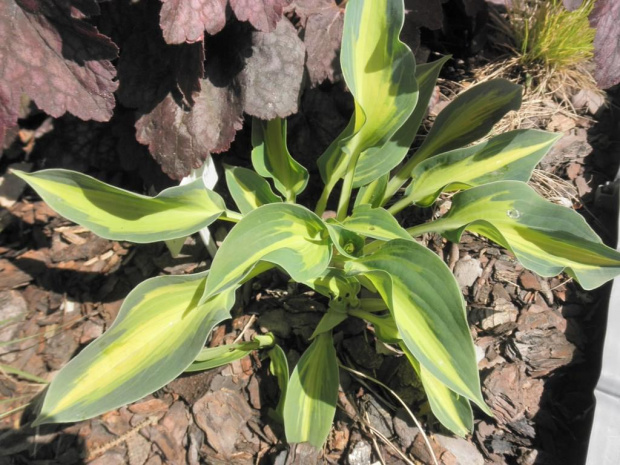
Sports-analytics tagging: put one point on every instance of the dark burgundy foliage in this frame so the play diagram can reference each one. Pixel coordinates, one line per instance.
(606, 19)
(185, 21)
(58, 60)
(322, 21)
(262, 14)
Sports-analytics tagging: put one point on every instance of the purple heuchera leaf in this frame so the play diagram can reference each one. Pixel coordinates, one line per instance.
(185, 20)
(262, 14)
(606, 19)
(246, 70)
(323, 21)
(180, 139)
(271, 79)
(59, 61)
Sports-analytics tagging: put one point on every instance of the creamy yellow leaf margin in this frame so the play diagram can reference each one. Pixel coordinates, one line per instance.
(546, 238)
(158, 332)
(286, 235)
(312, 394)
(117, 214)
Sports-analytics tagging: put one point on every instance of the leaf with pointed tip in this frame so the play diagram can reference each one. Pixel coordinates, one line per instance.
(117, 214)
(376, 223)
(286, 235)
(546, 238)
(271, 158)
(453, 411)
(378, 161)
(312, 394)
(429, 311)
(160, 329)
(328, 322)
(509, 156)
(470, 116)
(248, 189)
(377, 67)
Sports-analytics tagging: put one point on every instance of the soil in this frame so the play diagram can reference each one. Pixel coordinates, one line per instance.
(538, 340)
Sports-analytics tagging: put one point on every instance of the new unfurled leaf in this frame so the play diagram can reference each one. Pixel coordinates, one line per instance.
(63, 63)
(545, 238)
(372, 194)
(378, 161)
(453, 411)
(286, 235)
(248, 189)
(271, 158)
(158, 332)
(429, 311)
(376, 223)
(348, 243)
(377, 67)
(117, 214)
(509, 156)
(312, 394)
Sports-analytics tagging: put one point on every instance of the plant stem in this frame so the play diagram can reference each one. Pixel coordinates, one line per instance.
(232, 216)
(432, 226)
(347, 187)
(321, 205)
(399, 206)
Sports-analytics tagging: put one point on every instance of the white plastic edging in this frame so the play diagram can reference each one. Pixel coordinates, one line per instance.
(604, 445)
(209, 176)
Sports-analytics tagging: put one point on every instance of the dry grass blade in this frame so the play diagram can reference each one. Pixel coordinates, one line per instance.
(397, 397)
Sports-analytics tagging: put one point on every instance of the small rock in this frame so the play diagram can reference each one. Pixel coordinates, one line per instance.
(221, 415)
(60, 349)
(109, 458)
(379, 417)
(403, 428)
(589, 99)
(529, 281)
(464, 451)
(13, 308)
(360, 351)
(542, 350)
(90, 332)
(176, 422)
(466, 271)
(360, 454)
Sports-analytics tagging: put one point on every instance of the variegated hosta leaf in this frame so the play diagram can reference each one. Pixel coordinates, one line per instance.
(213, 357)
(271, 158)
(117, 214)
(159, 330)
(429, 311)
(378, 161)
(286, 235)
(329, 321)
(545, 238)
(509, 156)
(376, 223)
(466, 119)
(248, 189)
(453, 411)
(312, 394)
(334, 283)
(377, 67)
(470, 116)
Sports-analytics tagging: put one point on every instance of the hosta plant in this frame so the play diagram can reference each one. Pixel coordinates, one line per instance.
(360, 259)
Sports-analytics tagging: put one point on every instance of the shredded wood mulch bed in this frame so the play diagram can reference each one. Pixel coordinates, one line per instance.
(538, 344)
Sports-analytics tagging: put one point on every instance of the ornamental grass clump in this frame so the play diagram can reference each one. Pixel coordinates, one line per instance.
(411, 297)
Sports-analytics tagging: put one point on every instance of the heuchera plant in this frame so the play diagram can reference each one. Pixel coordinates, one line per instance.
(415, 302)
